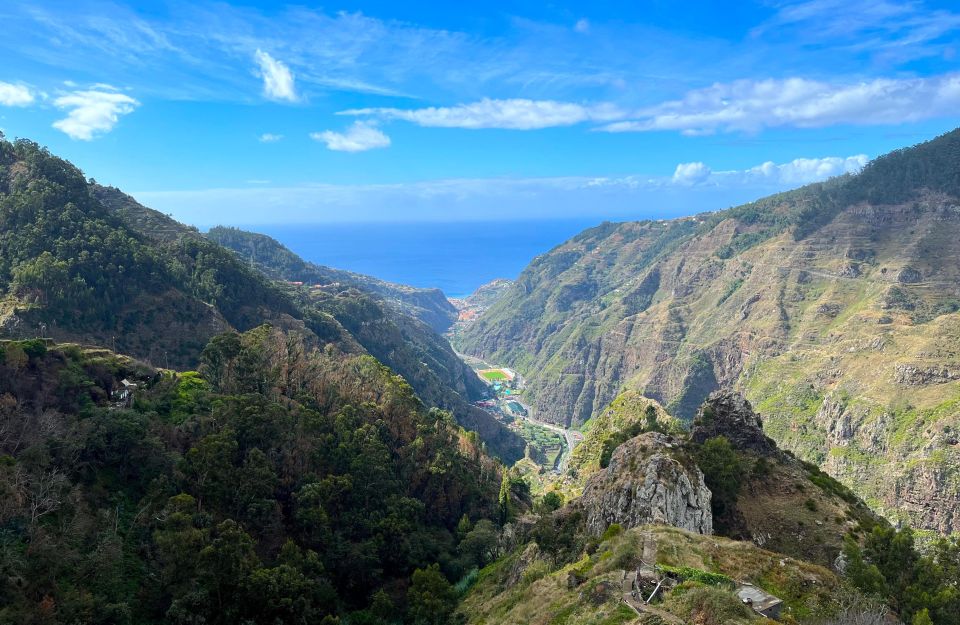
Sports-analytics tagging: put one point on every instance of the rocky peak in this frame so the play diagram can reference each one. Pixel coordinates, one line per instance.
(650, 479)
(728, 413)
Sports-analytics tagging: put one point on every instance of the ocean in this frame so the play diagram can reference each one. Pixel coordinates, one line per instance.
(454, 257)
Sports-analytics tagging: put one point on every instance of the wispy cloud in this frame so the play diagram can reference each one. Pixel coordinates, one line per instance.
(751, 105)
(92, 112)
(269, 137)
(278, 81)
(513, 114)
(15, 95)
(359, 137)
(694, 187)
(889, 30)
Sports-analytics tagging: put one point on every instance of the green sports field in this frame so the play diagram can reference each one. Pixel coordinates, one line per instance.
(493, 375)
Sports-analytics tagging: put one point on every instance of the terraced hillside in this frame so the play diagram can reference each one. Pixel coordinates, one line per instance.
(834, 307)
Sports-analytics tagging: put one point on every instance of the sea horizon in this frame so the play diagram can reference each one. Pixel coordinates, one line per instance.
(455, 257)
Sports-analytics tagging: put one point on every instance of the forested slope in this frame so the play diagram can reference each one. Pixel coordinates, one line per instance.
(280, 484)
(86, 263)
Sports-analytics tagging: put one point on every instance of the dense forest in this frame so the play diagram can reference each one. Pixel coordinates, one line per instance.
(276, 485)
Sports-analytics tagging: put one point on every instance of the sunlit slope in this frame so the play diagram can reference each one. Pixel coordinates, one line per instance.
(832, 307)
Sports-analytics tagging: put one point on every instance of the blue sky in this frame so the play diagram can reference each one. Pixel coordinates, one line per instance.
(259, 112)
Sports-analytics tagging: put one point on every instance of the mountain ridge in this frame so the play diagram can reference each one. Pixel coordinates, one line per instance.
(799, 299)
(84, 263)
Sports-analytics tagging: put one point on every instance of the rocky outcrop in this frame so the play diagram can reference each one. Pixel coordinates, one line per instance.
(727, 413)
(650, 480)
(912, 375)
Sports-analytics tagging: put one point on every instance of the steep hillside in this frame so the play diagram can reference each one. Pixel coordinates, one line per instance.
(416, 352)
(72, 269)
(86, 263)
(834, 307)
(428, 305)
(280, 484)
(390, 321)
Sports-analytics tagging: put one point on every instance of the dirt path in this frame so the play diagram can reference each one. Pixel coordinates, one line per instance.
(639, 606)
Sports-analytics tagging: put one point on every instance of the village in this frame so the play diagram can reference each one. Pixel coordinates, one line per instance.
(548, 444)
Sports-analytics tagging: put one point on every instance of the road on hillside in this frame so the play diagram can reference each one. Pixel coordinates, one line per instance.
(572, 437)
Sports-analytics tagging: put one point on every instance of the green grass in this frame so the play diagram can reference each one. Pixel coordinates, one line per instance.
(493, 375)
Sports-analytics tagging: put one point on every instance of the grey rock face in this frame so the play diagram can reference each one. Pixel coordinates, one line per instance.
(650, 480)
(729, 414)
(912, 375)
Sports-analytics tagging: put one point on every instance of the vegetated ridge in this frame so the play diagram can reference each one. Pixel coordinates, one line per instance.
(833, 307)
(428, 305)
(85, 263)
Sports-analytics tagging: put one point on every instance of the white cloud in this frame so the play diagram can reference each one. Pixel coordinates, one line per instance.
(892, 31)
(269, 137)
(359, 137)
(766, 176)
(278, 81)
(800, 171)
(15, 95)
(690, 173)
(582, 25)
(92, 112)
(513, 114)
(750, 106)
(506, 198)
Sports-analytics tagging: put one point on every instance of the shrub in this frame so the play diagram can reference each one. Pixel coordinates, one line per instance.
(688, 573)
(615, 529)
(706, 605)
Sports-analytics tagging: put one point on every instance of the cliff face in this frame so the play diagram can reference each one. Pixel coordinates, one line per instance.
(650, 480)
(833, 308)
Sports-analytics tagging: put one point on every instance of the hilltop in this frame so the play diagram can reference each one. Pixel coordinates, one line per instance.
(679, 527)
(833, 307)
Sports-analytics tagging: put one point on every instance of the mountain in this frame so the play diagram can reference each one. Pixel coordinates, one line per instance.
(280, 484)
(84, 263)
(428, 305)
(833, 307)
(391, 322)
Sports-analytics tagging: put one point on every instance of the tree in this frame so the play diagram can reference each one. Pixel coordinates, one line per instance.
(432, 598)
(922, 618)
(551, 501)
(480, 543)
(723, 474)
